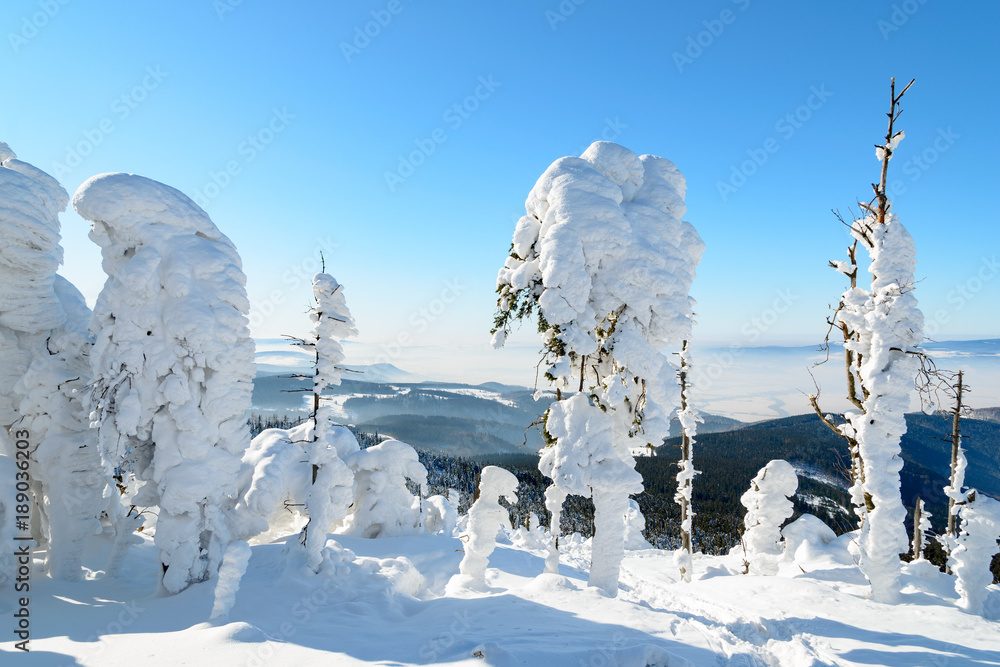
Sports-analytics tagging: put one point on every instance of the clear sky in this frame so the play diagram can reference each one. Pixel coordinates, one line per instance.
(402, 137)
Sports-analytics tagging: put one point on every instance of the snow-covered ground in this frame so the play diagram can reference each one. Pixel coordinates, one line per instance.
(389, 606)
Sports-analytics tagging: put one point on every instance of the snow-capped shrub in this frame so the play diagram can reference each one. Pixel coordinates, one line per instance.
(635, 524)
(172, 362)
(604, 259)
(554, 499)
(440, 515)
(44, 370)
(807, 530)
(486, 517)
(277, 482)
(974, 549)
(383, 506)
(768, 505)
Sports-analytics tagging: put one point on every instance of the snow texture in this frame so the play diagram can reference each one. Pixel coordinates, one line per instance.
(889, 327)
(768, 505)
(383, 506)
(172, 362)
(486, 517)
(440, 515)
(975, 548)
(234, 566)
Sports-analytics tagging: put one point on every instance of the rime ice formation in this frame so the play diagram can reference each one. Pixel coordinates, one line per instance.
(383, 506)
(768, 505)
(486, 517)
(172, 361)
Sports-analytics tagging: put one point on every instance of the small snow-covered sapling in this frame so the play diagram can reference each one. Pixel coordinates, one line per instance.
(768, 505)
(486, 517)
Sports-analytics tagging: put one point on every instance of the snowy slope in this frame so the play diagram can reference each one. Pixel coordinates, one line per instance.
(389, 606)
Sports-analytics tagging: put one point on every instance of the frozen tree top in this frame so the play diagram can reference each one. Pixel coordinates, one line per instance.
(603, 236)
(496, 482)
(129, 202)
(30, 254)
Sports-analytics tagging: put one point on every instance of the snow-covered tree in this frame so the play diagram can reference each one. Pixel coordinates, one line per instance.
(44, 370)
(768, 505)
(332, 322)
(921, 528)
(974, 550)
(688, 419)
(440, 515)
(882, 331)
(172, 362)
(486, 517)
(604, 259)
(554, 499)
(383, 506)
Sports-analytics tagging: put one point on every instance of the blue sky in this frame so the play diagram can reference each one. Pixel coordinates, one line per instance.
(297, 131)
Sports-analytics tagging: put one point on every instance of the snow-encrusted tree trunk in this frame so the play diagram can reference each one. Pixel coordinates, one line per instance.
(332, 322)
(958, 461)
(768, 505)
(688, 419)
(173, 363)
(883, 330)
(921, 527)
(606, 261)
(486, 517)
(974, 549)
(44, 369)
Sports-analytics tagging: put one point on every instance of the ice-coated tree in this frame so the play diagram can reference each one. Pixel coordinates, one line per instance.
(975, 547)
(688, 419)
(332, 322)
(768, 505)
(882, 331)
(44, 371)
(554, 499)
(383, 506)
(486, 517)
(921, 528)
(604, 260)
(172, 362)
